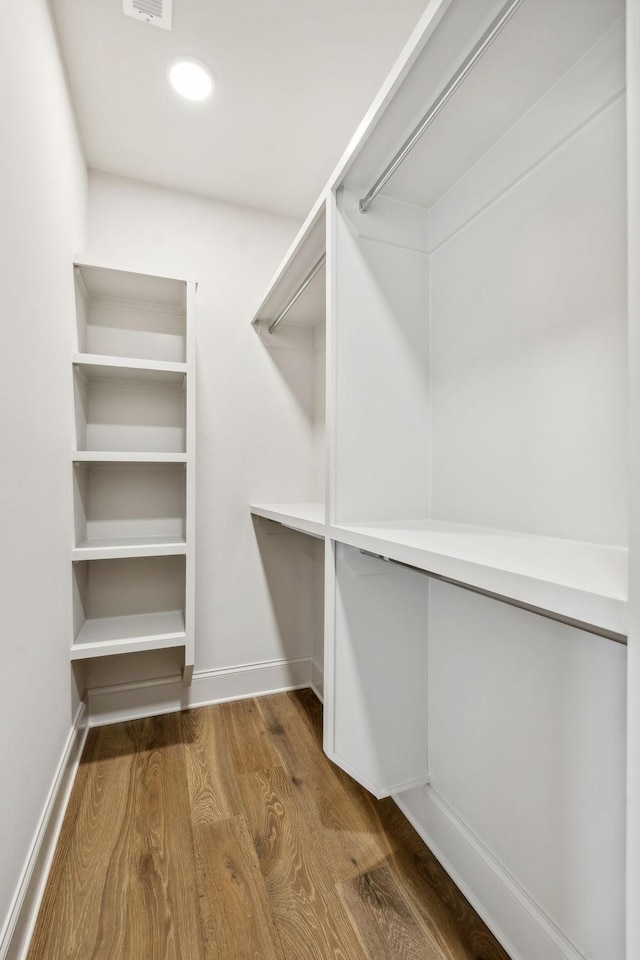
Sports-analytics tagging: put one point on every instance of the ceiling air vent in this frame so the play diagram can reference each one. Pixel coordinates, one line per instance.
(157, 12)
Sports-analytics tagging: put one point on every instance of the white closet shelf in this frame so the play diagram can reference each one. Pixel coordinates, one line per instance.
(101, 367)
(111, 548)
(112, 635)
(126, 456)
(583, 582)
(293, 294)
(303, 517)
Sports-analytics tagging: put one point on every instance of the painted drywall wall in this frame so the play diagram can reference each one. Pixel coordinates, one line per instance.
(43, 179)
(255, 433)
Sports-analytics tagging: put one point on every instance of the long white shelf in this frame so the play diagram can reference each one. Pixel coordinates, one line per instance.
(303, 517)
(303, 254)
(100, 366)
(111, 548)
(581, 582)
(126, 456)
(112, 635)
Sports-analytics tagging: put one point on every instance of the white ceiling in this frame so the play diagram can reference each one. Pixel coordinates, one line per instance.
(293, 80)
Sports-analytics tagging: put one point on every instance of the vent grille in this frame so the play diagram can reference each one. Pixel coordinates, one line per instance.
(157, 12)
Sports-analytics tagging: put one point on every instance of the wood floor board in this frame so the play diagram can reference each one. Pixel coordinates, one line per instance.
(385, 920)
(453, 921)
(212, 793)
(162, 918)
(236, 917)
(70, 922)
(310, 919)
(249, 744)
(224, 833)
(349, 842)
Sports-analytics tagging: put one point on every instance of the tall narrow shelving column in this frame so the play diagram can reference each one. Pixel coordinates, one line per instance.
(133, 552)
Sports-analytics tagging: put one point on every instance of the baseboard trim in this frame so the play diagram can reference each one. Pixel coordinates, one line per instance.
(18, 929)
(148, 698)
(520, 925)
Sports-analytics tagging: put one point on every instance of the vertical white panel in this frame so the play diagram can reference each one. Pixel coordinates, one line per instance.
(80, 502)
(382, 383)
(527, 746)
(633, 680)
(190, 479)
(380, 672)
(319, 411)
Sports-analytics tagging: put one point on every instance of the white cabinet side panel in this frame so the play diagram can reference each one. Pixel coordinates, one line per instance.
(319, 412)
(527, 746)
(633, 680)
(380, 672)
(382, 382)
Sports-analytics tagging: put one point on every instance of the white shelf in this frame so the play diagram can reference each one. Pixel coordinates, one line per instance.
(303, 517)
(584, 582)
(113, 635)
(304, 253)
(99, 367)
(111, 548)
(127, 456)
(507, 82)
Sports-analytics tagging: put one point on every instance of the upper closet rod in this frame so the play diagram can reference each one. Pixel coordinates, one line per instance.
(483, 43)
(303, 286)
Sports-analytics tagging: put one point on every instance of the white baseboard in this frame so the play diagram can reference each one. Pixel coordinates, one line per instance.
(525, 931)
(18, 929)
(317, 680)
(148, 698)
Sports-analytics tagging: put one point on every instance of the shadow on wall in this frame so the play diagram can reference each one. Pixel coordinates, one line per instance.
(290, 351)
(289, 562)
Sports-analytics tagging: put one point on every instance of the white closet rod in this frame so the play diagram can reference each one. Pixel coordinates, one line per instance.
(303, 286)
(539, 611)
(482, 45)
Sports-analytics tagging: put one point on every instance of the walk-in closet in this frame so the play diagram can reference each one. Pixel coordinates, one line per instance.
(321, 481)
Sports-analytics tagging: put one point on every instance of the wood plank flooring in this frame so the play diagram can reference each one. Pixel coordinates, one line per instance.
(224, 833)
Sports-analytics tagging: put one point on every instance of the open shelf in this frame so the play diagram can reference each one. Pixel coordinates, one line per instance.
(130, 315)
(97, 367)
(582, 582)
(128, 603)
(303, 517)
(126, 456)
(105, 548)
(108, 636)
(128, 407)
(536, 52)
(308, 308)
(125, 506)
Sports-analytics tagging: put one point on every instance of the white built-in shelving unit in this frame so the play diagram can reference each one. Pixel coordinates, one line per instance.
(477, 407)
(133, 464)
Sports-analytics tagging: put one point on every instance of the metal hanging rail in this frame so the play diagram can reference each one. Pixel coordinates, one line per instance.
(303, 286)
(482, 45)
(510, 601)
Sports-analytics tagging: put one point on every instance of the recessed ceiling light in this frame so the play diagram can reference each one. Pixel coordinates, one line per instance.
(191, 78)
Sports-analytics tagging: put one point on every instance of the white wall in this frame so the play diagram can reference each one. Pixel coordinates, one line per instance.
(43, 179)
(255, 421)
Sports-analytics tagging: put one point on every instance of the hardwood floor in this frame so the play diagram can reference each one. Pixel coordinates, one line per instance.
(224, 833)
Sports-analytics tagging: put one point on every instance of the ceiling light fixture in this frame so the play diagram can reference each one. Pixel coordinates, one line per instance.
(191, 78)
